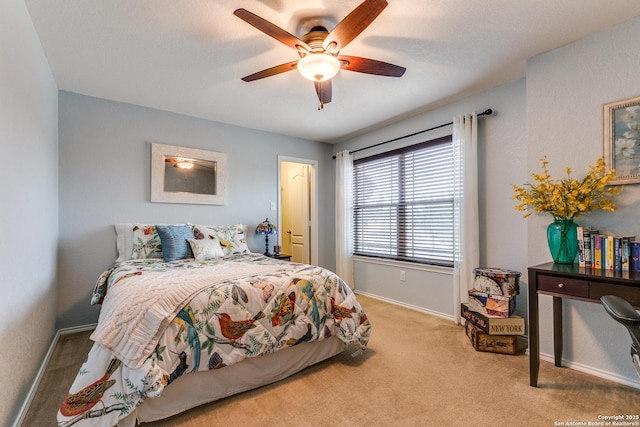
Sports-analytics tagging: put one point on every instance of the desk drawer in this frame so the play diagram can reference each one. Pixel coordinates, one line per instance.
(562, 285)
(630, 293)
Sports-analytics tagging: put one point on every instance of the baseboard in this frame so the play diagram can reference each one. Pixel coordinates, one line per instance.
(43, 366)
(405, 305)
(593, 371)
(76, 329)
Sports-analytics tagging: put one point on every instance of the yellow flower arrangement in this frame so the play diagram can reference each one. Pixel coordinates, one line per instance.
(567, 198)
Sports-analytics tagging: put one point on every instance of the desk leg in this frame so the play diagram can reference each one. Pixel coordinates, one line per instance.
(534, 333)
(557, 331)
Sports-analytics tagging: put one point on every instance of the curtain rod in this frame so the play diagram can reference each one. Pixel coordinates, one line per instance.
(486, 112)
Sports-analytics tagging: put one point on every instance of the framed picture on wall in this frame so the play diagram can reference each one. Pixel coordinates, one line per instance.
(187, 175)
(621, 121)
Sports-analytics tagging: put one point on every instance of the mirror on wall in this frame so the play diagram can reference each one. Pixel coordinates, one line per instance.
(187, 175)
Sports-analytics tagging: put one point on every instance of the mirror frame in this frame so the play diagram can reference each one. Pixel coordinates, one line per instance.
(160, 152)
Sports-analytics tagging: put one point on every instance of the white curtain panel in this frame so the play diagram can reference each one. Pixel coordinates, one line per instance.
(466, 224)
(344, 214)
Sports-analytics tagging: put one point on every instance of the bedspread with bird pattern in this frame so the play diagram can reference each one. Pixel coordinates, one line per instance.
(222, 324)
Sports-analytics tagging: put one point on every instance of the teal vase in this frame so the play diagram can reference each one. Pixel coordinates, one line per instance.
(563, 241)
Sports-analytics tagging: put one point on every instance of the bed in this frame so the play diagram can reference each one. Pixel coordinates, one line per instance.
(189, 315)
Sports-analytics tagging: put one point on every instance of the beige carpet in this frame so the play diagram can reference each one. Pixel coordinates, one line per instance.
(419, 370)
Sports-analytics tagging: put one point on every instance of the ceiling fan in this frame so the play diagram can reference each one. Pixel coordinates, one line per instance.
(319, 49)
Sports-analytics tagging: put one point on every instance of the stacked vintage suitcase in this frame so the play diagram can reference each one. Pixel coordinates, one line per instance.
(489, 320)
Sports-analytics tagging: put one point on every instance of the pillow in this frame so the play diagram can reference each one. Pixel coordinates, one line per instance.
(174, 241)
(124, 241)
(205, 249)
(146, 242)
(232, 238)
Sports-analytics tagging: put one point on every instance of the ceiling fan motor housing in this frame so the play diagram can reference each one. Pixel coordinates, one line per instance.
(318, 64)
(314, 39)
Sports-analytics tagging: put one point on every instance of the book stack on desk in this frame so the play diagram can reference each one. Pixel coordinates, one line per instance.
(607, 252)
(489, 320)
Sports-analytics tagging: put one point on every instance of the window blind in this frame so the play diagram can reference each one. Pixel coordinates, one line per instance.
(403, 204)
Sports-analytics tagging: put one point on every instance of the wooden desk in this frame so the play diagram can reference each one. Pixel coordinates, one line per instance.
(574, 282)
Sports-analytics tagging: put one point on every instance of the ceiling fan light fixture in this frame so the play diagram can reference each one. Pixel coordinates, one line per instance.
(318, 67)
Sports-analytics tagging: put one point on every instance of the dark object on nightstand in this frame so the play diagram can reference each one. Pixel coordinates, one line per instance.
(623, 312)
(282, 257)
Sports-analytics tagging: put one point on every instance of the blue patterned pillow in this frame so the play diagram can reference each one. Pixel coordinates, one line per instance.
(174, 241)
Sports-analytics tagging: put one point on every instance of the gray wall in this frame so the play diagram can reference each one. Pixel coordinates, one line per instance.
(105, 175)
(28, 206)
(566, 89)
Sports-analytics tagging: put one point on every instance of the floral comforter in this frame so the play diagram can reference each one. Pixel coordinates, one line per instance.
(219, 322)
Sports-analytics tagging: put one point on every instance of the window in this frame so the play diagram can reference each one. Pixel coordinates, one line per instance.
(403, 204)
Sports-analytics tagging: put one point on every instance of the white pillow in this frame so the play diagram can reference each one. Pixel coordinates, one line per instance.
(124, 241)
(204, 249)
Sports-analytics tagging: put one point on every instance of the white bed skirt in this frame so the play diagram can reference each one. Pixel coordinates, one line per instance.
(191, 390)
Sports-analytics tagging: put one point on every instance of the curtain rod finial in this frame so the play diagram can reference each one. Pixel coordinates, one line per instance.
(488, 112)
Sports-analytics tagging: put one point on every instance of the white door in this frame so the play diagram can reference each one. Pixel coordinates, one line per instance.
(296, 212)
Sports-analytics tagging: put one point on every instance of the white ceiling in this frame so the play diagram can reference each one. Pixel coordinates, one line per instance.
(187, 56)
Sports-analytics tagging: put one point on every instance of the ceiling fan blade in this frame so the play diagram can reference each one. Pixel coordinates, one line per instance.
(272, 30)
(323, 89)
(282, 68)
(370, 66)
(353, 24)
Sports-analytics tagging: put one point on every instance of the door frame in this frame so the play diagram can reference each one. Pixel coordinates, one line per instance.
(313, 198)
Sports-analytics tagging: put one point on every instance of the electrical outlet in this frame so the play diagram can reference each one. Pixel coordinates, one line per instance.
(403, 276)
